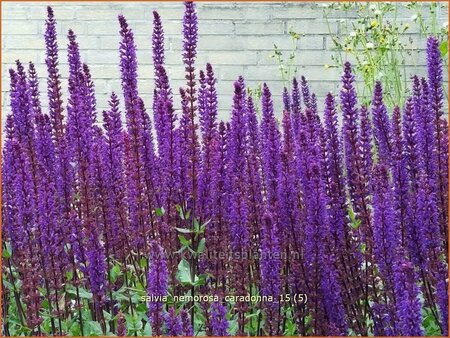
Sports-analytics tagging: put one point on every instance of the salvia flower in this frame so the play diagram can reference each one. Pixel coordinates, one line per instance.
(271, 272)
(349, 129)
(435, 78)
(408, 304)
(187, 326)
(157, 40)
(270, 148)
(157, 286)
(238, 210)
(353, 219)
(385, 226)
(54, 77)
(173, 323)
(382, 126)
(219, 322)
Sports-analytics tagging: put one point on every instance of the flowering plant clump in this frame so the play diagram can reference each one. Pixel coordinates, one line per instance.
(154, 223)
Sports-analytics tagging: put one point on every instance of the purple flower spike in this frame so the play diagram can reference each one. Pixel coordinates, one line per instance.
(357, 151)
(385, 230)
(190, 38)
(52, 232)
(157, 40)
(187, 326)
(208, 123)
(399, 174)
(271, 273)
(238, 209)
(435, 78)
(8, 173)
(286, 100)
(334, 162)
(173, 322)
(97, 269)
(238, 180)
(254, 171)
(305, 92)
(426, 141)
(112, 163)
(22, 111)
(33, 85)
(407, 301)
(219, 322)
(54, 77)
(296, 107)
(411, 147)
(157, 286)
(270, 148)
(349, 129)
(382, 126)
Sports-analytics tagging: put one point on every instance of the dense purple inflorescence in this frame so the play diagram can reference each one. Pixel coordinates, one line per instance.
(340, 228)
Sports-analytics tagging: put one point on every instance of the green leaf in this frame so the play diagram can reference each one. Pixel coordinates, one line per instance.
(119, 296)
(355, 223)
(184, 231)
(429, 324)
(133, 324)
(143, 262)
(201, 246)
(115, 272)
(233, 327)
(142, 307)
(8, 285)
(7, 251)
(44, 304)
(184, 272)
(160, 212)
(69, 275)
(83, 293)
(46, 325)
(362, 247)
(252, 315)
(93, 328)
(196, 226)
(203, 227)
(107, 315)
(199, 280)
(75, 330)
(183, 240)
(147, 330)
(139, 291)
(180, 211)
(443, 47)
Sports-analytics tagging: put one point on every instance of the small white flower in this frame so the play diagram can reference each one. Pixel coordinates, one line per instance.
(414, 17)
(377, 12)
(370, 45)
(373, 7)
(445, 24)
(353, 34)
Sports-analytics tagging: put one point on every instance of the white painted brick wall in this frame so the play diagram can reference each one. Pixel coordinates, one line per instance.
(237, 38)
